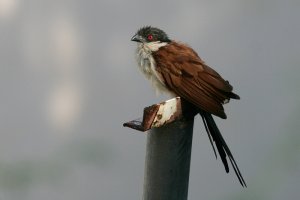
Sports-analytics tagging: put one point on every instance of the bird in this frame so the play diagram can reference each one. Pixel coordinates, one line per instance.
(175, 68)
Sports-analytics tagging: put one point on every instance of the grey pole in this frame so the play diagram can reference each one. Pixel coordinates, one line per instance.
(167, 163)
(168, 151)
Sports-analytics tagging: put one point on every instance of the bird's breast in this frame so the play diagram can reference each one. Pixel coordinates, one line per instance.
(147, 65)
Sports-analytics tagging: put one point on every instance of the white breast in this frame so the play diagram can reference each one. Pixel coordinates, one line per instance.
(147, 64)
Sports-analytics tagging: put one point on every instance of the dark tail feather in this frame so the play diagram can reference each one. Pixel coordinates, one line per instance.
(215, 135)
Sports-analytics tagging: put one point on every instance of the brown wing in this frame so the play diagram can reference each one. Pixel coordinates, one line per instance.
(190, 78)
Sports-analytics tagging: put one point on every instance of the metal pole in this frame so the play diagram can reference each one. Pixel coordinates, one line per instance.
(167, 163)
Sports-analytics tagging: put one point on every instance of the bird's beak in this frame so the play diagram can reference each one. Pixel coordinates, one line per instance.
(137, 38)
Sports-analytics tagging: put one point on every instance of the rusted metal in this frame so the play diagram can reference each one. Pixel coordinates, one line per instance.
(160, 114)
(149, 115)
(135, 124)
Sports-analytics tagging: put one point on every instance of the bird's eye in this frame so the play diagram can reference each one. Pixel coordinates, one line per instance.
(150, 37)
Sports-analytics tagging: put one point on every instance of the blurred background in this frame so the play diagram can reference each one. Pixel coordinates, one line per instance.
(68, 81)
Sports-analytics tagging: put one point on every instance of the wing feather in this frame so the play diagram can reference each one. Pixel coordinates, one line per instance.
(190, 78)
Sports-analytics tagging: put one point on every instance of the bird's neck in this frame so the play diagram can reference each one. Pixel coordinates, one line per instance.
(152, 46)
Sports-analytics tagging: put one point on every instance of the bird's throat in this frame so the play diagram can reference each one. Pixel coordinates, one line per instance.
(154, 46)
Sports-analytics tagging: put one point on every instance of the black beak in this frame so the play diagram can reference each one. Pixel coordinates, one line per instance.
(137, 38)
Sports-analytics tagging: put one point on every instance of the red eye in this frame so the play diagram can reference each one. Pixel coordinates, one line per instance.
(150, 37)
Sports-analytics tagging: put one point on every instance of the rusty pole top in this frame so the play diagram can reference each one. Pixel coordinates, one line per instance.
(160, 114)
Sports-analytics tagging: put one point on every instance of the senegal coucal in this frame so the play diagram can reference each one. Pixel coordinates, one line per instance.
(176, 68)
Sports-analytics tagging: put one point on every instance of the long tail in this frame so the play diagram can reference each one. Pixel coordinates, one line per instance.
(215, 135)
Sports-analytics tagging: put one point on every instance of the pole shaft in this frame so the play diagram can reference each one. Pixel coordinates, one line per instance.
(167, 163)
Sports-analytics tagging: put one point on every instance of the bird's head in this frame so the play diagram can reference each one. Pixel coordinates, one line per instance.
(150, 34)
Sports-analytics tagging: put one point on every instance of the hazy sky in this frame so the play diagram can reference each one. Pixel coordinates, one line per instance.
(68, 81)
